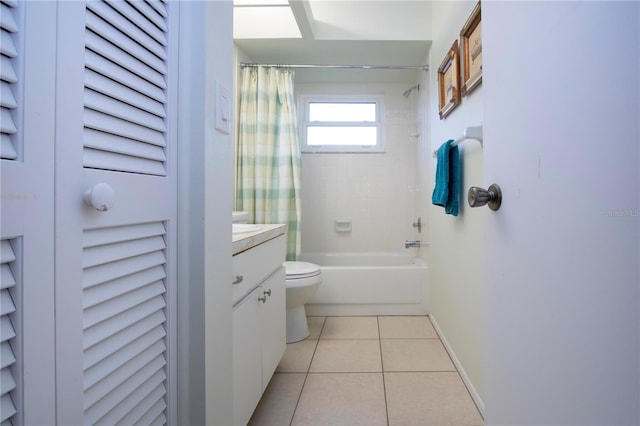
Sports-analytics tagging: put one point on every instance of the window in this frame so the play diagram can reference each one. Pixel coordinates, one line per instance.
(348, 123)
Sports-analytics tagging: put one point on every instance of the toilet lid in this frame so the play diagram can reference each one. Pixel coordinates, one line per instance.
(300, 269)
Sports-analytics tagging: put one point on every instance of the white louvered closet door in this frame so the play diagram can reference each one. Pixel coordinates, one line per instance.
(27, 380)
(115, 272)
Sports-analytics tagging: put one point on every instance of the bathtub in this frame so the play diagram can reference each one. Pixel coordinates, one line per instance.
(369, 284)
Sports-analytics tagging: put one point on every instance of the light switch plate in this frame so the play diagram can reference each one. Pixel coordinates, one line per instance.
(223, 109)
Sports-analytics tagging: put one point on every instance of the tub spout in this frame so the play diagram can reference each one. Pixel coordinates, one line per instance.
(415, 243)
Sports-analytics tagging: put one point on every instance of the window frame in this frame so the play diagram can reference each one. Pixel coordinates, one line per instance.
(303, 106)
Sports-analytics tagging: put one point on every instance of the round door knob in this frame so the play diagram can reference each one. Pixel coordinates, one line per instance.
(478, 197)
(100, 197)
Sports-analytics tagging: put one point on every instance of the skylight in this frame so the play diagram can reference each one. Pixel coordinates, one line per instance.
(264, 19)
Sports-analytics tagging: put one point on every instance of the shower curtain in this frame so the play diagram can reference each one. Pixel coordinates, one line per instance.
(267, 152)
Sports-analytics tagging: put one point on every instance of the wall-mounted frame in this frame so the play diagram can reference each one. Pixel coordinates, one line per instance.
(449, 81)
(471, 41)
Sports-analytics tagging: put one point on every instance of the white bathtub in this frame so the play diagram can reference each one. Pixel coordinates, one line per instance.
(369, 284)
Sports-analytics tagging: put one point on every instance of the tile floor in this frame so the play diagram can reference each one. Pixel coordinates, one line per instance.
(385, 370)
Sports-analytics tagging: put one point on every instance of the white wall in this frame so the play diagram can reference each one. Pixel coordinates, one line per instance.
(562, 108)
(456, 282)
(375, 191)
(204, 207)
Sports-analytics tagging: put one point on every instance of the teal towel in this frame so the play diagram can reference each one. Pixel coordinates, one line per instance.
(446, 190)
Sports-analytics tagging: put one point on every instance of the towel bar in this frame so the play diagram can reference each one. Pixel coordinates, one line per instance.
(474, 132)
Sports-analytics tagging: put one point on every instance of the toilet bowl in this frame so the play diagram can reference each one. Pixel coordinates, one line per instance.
(302, 281)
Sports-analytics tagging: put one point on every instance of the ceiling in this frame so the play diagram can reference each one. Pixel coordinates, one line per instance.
(339, 32)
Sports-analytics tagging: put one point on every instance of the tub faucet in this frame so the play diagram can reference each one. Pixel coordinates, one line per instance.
(418, 224)
(415, 243)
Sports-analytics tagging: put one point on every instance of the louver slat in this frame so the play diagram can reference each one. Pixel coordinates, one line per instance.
(126, 27)
(142, 20)
(7, 71)
(7, 46)
(6, 303)
(110, 365)
(111, 382)
(12, 3)
(100, 294)
(105, 30)
(154, 11)
(7, 408)
(7, 383)
(106, 310)
(103, 236)
(158, 6)
(6, 277)
(6, 329)
(7, 125)
(124, 322)
(123, 76)
(122, 93)
(109, 272)
(123, 146)
(7, 151)
(122, 110)
(7, 100)
(114, 407)
(155, 414)
(7, 256)
(7, 332)
(94, 159)
(137, 414)
(102, 47)
(7, 357)
(153, 388)
(122, 326)
(110, 253)
(7, 20)
(106, 123)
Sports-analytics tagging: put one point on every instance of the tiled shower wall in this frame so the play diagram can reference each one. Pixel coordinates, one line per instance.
(375, 191)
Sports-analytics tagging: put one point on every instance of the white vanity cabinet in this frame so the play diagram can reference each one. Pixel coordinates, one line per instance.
(259, 323)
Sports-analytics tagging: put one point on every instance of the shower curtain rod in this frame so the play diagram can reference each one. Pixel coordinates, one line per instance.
(364, 67)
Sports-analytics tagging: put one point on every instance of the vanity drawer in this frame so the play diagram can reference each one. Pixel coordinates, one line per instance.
(255, 265)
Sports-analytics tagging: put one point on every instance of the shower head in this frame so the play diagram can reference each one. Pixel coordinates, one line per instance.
(411, 89)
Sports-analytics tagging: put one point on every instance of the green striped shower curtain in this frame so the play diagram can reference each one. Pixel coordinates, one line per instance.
(267, 152)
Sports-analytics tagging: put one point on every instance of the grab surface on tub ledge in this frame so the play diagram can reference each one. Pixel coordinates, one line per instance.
(245, 240)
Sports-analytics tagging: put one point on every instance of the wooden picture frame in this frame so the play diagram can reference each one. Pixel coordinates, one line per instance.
(471, 41)
(449, 82)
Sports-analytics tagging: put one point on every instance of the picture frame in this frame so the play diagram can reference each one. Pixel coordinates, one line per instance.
(471, 45)
(449, 81)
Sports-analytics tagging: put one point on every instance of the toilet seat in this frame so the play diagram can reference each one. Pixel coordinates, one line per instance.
(295, 270)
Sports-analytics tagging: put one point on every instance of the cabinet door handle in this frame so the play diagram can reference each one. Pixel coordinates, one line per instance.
(262, 299)
(267, 292)
(238, 279)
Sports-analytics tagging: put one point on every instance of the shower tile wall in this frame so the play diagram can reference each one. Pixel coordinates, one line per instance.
(375, 191)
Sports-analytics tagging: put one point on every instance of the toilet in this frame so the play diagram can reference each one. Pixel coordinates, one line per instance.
(302, 281)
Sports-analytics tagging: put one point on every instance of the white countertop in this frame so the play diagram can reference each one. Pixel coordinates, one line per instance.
(246, 240)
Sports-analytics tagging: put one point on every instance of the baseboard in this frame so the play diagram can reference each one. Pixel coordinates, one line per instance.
(363, 309)
(463, 374)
